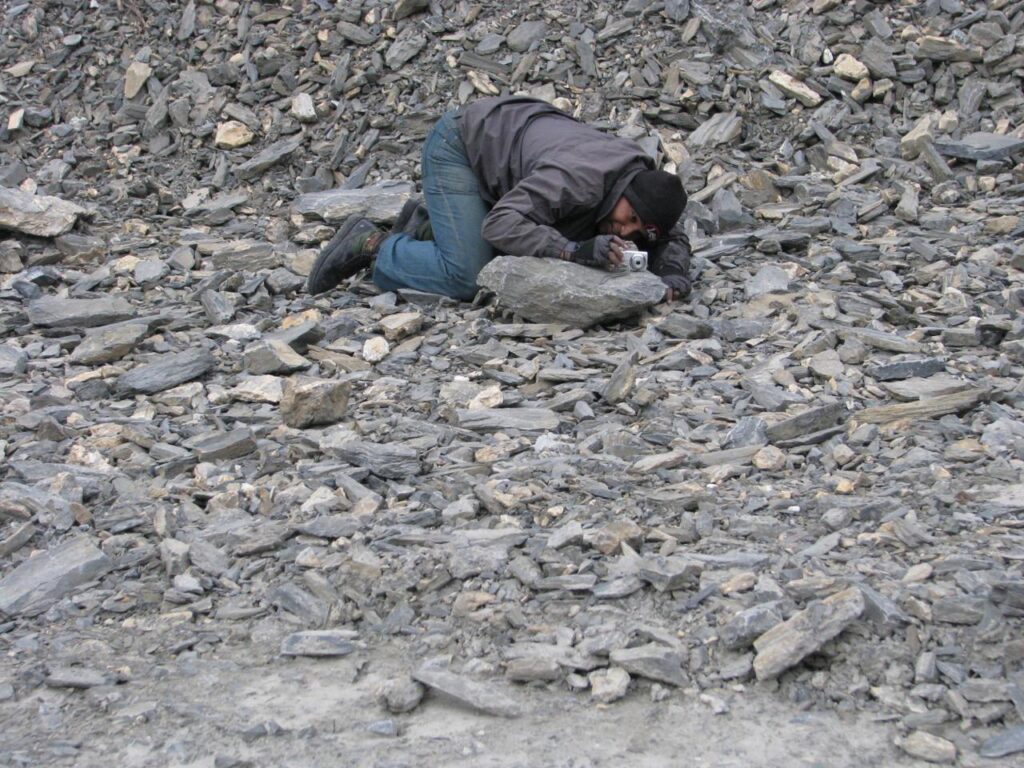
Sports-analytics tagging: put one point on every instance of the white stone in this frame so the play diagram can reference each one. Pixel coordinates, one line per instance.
(375, 349)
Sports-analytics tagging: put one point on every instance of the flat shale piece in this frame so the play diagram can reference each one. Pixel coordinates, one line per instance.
(525, 419)
(787, 644)
(107, 344)
(168, 372)
(381, 202)
(267, 158)
(57, 312)
(653, 661)
(1009, 742)
(76, 677)
(478, 696)
(807, 422)
(981, 146)
(907, 369)
(923, 409)
(319, 642)
(37, 215)
(554, 291)
(42, 580)
(390, 460)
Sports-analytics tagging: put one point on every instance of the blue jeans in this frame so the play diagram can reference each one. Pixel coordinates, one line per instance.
(450, 262)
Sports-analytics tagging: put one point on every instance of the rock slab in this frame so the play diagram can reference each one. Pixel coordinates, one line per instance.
(470, 693)
(38, 215)
(787, 644)
(553, 291)
(42, 580)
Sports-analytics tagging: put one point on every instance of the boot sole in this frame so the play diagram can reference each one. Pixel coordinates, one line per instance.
(313, 282)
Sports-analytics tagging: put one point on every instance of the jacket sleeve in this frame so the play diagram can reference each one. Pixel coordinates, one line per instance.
(670, 260)
(522, 222)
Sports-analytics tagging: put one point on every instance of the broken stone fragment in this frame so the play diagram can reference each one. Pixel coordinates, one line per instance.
(320, 643)
(652, 661)
(274, 356)
(56, 312)
(555, 291)
(267, 158)
(37, 215)
(380, 202)
(794, 88)
(313, 402)
(303, 109)
(167, 372)
(41, 580)
(13, 361)
(233, 134)
(135, 77)
(928, 747)
(479, 696)
(787, 644)
(608, 685)
(109, 343)
(850, 68)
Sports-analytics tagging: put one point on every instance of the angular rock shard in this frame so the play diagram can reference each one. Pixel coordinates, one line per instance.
(787, 644)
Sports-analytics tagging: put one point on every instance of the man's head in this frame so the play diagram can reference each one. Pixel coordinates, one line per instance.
(649, 207)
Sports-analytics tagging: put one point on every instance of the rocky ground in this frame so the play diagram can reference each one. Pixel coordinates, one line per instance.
(777, 523)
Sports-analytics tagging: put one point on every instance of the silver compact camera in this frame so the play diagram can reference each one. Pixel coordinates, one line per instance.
(634, 261)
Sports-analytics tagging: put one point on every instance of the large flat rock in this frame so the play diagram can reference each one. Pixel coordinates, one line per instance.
(381, 202)
(553, 291)
(39, 215)
(42, 580)
(57, 312)
(165, 373)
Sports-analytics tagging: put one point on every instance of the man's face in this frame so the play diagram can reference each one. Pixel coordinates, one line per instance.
(622, 221)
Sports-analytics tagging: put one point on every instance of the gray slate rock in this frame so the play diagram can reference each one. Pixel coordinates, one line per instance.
(653, 661)
(56, 312)
(1009, 742)
(37, 215)
(393, 460)
(109, 343)
(493, 419)
(267, 158)
(40, 581)
(478, 696)
(981, 146)
(12, 360)
(526, 34)
(554, 291)
(170, 371)
(320, 643)
(380, 203)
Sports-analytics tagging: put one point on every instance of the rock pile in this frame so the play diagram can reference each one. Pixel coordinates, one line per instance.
(807, 477)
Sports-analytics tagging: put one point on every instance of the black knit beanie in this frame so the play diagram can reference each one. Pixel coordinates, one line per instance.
(658, 199)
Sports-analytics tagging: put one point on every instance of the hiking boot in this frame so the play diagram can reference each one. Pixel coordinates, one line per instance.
(411, 219)
(351, 249)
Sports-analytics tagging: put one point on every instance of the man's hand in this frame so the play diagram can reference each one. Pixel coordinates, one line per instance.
(600, 251)
(677, 287)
